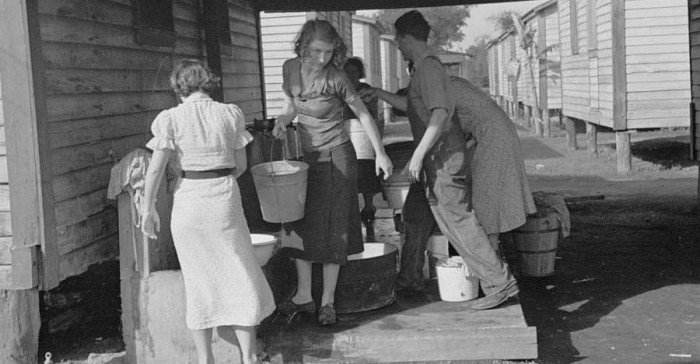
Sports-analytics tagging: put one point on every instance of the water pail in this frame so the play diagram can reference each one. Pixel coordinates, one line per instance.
(263, 247)
(359, 139)
(536, 245)
(281, 187)
(455, 283)
(395, 194)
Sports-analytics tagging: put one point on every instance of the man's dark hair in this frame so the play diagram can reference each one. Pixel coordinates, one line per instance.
(412, 23)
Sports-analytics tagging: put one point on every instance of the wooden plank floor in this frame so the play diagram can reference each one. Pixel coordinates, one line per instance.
(418, 327)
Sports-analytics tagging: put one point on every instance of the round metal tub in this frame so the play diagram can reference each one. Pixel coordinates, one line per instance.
(366, 282)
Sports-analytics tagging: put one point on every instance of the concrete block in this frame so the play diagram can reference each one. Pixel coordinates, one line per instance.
(159, 333)
(19, 326)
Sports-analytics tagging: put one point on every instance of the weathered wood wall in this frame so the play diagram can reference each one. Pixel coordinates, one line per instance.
(578, 96)
(365, 44)
(654, 81)
(103, 91)
(278, 32)
(658, 67)
(241, 70)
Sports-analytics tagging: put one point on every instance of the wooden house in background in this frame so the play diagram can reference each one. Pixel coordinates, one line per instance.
(546, 68)
(625, 66)
(366, 45)
(503, 86)
(457, 63)
(278, 33)
(391, 69)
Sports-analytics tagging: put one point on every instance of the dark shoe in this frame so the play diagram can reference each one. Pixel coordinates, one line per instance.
(326, 315)
(367, 217)
(288, 307)
(497, 298)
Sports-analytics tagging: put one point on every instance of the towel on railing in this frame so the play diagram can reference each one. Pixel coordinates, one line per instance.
(130, 175)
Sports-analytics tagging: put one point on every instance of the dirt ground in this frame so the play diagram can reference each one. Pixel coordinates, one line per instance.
(626, 286)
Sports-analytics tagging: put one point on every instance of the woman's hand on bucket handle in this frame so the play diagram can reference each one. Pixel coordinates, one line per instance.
(383, 164)
(280, 129)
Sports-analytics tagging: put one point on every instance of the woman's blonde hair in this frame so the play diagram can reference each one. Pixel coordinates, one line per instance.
(324, 31)
(192, 75)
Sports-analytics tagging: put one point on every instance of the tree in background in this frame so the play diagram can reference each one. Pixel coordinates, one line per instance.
(503, 21)
(446, 23)
(478, 71)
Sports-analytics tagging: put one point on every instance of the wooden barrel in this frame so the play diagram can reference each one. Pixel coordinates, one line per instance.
(536, 245)
(366, 282)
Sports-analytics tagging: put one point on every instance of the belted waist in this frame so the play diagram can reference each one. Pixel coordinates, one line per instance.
(214, 173)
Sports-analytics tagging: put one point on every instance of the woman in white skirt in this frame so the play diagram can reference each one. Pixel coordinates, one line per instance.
(205, 141)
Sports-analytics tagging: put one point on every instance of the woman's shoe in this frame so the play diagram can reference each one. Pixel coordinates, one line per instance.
(288, 307)
(326, 315)
(367, 217)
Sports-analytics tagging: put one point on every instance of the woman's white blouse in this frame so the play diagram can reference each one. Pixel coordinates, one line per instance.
(203, 133)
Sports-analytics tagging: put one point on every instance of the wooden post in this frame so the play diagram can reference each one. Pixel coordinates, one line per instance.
(592, 134)
(539, 127)
(528, 117)
(570, 133)
(29, 176)
(547, 125)
(624, 153)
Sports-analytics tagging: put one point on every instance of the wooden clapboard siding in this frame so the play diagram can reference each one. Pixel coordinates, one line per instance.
(492, 67)
(241, 78)
(605, 62)
(103, 91)
(5, 239)
(365, 44)
(667, 107)
(553, 58)
(278, 32)
(694, 33)
(390, 66)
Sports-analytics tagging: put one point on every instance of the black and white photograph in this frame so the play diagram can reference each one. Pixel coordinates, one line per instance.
(334, 181)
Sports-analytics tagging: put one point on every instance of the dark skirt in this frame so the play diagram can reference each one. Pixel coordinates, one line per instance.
(367, 179)
(331, 228)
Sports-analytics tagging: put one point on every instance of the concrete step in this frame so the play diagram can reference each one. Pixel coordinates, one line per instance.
(418, 327)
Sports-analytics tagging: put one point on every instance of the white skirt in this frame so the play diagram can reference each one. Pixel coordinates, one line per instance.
(223, 283)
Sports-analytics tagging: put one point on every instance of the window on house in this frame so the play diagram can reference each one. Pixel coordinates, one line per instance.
(513, 54)
(592, 26)
(154, 22)
(573, 16)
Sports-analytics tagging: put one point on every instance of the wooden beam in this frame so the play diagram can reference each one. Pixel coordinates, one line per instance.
(624, 153)
(592, 134)
(619, 67)
(570, 133)
(19, 321)
(24, 108)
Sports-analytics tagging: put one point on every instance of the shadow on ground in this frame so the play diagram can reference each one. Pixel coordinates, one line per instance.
(664, 151)
(618, 251)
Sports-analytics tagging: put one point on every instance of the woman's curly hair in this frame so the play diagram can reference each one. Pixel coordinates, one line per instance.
(192, 75)
(324, 31)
